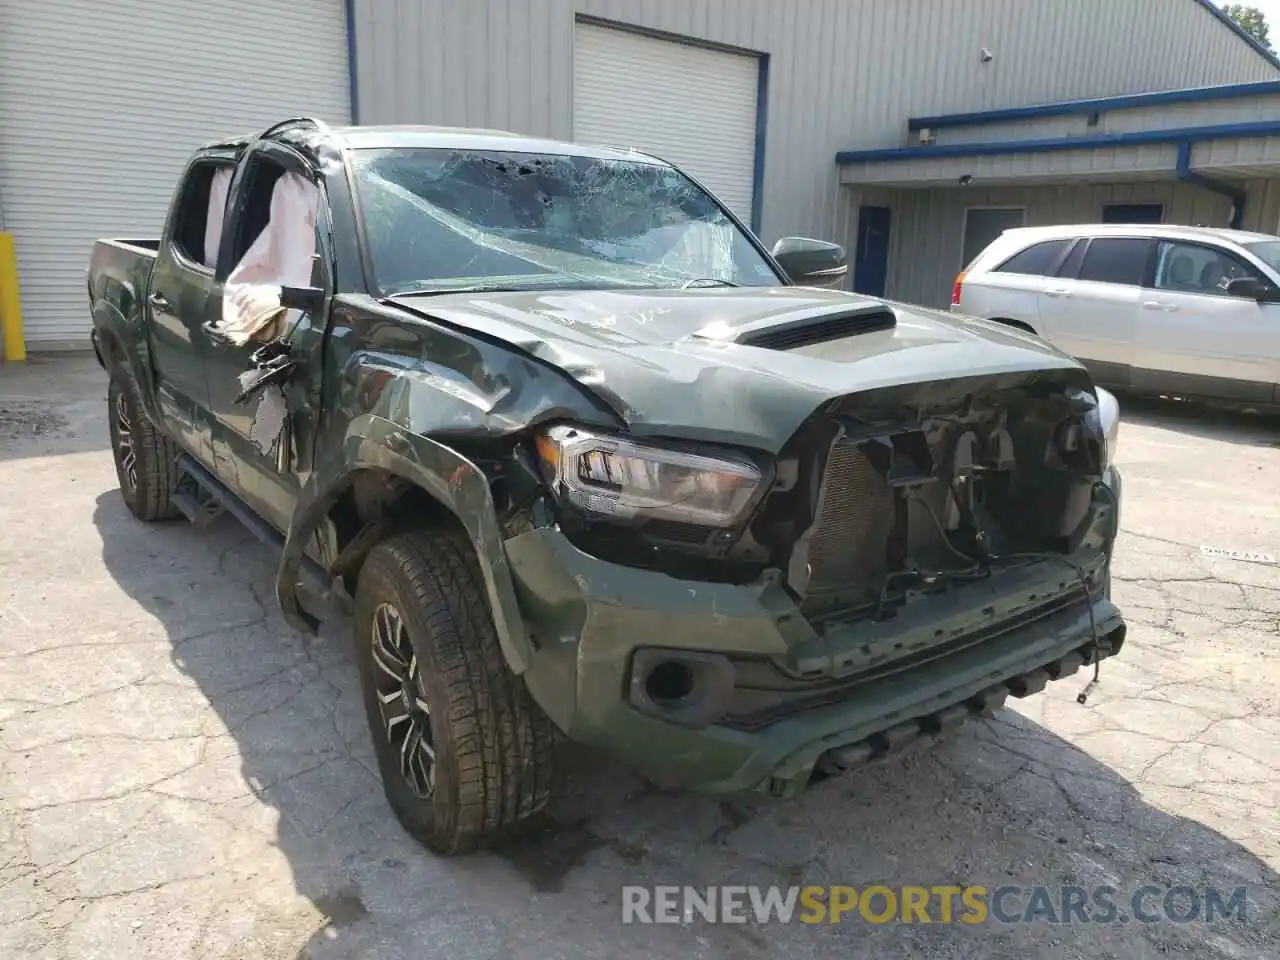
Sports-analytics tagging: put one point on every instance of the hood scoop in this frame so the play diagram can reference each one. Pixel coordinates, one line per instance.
(807, 331)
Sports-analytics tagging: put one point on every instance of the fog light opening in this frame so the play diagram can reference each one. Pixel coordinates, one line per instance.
(669, 682)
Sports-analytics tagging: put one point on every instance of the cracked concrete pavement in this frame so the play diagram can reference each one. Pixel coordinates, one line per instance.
(183, 776)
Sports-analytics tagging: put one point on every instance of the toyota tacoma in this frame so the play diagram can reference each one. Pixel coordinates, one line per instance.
(579, 456)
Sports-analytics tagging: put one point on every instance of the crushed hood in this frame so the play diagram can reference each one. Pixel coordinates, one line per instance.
(668, 362)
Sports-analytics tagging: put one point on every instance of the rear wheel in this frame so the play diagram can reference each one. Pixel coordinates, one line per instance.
(464, 752)
(145, 458)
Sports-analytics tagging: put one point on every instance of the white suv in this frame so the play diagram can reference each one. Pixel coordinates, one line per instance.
(1189, 311)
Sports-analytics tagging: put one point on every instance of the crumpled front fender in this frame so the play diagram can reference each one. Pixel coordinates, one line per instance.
(372, 442)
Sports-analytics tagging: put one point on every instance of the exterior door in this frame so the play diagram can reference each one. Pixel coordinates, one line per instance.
(1090, 309)
(266, 481)
(180, 298)
(871, 259)
(178, 301)
(1196, 339)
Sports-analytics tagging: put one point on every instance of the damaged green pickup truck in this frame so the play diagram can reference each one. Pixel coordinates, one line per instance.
(577, 453)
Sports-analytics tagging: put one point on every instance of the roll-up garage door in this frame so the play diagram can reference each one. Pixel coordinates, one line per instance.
(693, 106)
(102, 103)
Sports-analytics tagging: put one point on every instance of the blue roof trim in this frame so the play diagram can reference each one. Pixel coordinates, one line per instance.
(1240, 31)
(1065, 108)
(1224, 131)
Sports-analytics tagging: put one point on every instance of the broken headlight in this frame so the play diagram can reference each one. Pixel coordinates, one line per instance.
(610, 476)
(1109, 420)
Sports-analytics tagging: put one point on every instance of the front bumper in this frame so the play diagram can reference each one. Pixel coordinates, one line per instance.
(860, 697)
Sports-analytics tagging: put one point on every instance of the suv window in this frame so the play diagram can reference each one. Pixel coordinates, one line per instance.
(1192, 268)
(1070, 266)
(187, 235)
(1038, 260)
(1116, 260)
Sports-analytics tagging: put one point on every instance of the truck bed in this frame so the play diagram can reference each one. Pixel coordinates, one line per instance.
(117, 278)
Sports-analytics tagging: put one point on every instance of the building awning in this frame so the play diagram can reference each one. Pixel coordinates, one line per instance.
(1238, 152)
(1151, 136)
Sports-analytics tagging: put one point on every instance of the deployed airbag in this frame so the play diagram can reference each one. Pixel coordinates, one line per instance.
(218, 189)
(281, 256)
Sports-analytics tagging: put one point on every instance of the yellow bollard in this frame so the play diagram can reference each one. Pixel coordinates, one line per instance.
(15, 348)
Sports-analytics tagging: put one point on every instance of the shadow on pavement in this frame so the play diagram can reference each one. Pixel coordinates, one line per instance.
(1211, 421)
(1001, 802)
(53, 404)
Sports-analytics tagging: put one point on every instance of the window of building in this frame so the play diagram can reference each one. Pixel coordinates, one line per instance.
(1133, 213)
(983, 224)
(1192, 268)
(1038, 260)
(1116, 260)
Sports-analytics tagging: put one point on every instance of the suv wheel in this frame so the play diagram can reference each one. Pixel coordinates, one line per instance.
(464, 752)
(145, 458)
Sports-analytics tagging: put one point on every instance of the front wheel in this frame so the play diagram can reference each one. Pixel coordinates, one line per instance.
(146, 459)
(464, 752)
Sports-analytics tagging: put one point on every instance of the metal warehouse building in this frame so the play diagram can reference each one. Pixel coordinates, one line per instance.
(912, 131)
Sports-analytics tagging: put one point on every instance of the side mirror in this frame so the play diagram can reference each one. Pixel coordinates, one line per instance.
(309, 299)
(1251, 288)
(811, 263)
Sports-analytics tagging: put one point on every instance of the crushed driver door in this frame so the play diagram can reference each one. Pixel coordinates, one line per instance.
(263, 378)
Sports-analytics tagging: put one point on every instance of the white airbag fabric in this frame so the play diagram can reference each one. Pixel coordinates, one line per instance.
(217, 212)
(281, 256)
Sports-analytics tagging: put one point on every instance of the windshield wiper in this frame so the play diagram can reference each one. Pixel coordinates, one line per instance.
(440, 291)
(698, 281)
(528, 286)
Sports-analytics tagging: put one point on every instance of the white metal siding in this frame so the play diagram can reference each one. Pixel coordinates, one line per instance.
(842, 74)
(690, 105)
(101, 104)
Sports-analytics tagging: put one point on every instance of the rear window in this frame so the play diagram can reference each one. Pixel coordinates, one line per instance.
(199, 209)
(1116, 260)
(1038, 260)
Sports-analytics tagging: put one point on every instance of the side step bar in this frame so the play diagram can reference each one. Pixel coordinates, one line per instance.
(203, 497)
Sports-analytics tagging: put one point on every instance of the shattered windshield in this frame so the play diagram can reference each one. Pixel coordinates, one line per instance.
(437, 220)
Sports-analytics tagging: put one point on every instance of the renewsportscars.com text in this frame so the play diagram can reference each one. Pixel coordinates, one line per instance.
(972, 904)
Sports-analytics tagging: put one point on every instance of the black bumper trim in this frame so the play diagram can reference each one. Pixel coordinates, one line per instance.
(899, 736)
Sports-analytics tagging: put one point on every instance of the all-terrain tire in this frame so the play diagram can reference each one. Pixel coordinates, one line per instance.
(493, 745)
(148, 481)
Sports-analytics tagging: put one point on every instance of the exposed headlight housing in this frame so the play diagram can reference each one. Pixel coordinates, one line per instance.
(1109, 418)
(618, 478)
